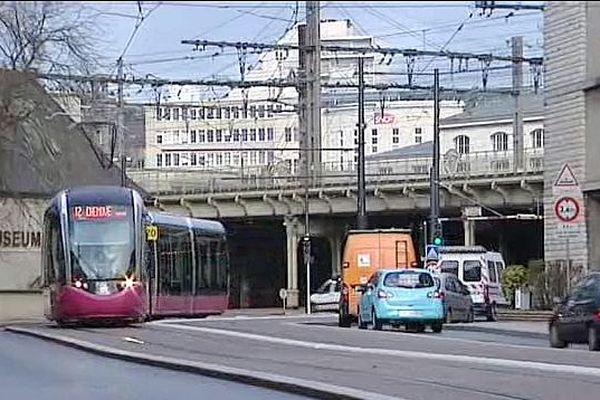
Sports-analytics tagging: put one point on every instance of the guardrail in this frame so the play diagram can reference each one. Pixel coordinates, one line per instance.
(230, 179)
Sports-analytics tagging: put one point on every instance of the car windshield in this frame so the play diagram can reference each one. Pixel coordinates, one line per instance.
(472, 271)
(409, 280)
(102, 246)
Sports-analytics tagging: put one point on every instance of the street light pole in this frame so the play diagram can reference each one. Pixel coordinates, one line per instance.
(120, 127)
(361, 200)
(435, 170)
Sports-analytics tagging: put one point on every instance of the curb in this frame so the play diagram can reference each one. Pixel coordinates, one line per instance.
(497, 331)
(280, 383)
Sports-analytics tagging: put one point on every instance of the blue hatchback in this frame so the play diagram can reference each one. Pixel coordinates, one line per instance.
(408, 297)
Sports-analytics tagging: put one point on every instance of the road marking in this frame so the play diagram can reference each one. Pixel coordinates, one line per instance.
(256, 378)
(489, 361)
(237, 318)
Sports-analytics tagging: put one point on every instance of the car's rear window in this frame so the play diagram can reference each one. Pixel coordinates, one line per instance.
(449, 267)
(409, 280)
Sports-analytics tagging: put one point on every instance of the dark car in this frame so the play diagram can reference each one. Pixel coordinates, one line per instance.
(576, 319)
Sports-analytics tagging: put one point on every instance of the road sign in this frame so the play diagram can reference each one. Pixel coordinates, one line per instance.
(566, 178)
(433, 252)
(567, 209)
(152, 233)
(282, 294)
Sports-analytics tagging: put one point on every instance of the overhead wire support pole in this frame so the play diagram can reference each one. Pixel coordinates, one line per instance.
(435, 169)
(361, 218)
(120, 125)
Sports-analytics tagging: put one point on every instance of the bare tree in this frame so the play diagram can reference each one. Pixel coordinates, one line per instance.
(47, 36)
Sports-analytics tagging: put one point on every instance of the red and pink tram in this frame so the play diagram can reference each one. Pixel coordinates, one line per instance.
(97, 264)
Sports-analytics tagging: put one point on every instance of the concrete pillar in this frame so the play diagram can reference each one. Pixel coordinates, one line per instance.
(291, 230)
(335, 241)
(469, 228)
(592, 209)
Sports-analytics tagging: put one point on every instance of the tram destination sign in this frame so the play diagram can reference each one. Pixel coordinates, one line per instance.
(99, 212)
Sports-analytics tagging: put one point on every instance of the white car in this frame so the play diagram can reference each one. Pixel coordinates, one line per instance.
(327, 297)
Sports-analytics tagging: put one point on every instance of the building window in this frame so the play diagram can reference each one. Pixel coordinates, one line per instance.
(270, 111)
(395, 136)
(193, 114)
(270, 134)
(418, 135)
(236, 158)
(218, 112)
(355, 137)
(184, 114)
(176, 114)
(341, 138)
(461, 144)
(253, 112)
(253, 135)
(270, 156)
(226, 113)
(210, 136)
(295, 134)
(159, 113)
(219, 135)
(261, 134)
(500, 141)
(159, 139)
(210, 161)
(219, 159)
(167, 160)
(236, 135)
(209, 113)
(193, 159)
(166, 115)
(261, 157)
(185, 158)
(261, 111)
(244, 135)
(374, 149)
(202, 160)
(227, 136)
(236, 112)
(176, 138)
(159, 159)
(288, 134)
(201, 136)
(278, 108)
(374, 139)
(252, 158)
(227, 158)
(537, 138)
(201, 113)
(245, 111)
(176, 160)
(193, 136)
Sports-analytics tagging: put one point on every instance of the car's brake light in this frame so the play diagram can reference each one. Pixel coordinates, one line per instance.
(382, 294)
(436, 295)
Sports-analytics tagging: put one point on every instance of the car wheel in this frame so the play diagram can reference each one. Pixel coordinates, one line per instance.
(420, 328)
(555, 338)
(361, 323)
(593, 339)
(437, 327)
(375, 322)
(471, 316)
(492, 314)
(449, 318)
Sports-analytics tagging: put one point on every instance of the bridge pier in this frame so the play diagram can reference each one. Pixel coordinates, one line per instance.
(469, 230)
(292, 231)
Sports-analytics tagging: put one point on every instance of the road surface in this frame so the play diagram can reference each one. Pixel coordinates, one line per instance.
(33, 369)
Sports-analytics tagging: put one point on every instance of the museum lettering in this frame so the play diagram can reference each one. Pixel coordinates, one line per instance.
(20, 239)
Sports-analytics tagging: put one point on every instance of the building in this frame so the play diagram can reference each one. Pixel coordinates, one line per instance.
(250, 132)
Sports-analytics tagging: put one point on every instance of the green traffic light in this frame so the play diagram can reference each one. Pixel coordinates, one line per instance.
(437, 241)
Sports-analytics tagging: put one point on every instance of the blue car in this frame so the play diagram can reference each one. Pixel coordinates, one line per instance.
(408, 297)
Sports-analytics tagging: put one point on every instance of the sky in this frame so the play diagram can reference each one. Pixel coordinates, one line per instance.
(156, 47)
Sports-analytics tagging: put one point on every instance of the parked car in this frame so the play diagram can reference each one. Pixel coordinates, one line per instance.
(481, 271)
(458, 305)
(408, 297)
(327, 297)
(576, 318)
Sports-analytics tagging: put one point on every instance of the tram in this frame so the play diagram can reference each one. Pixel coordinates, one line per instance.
(92, 255)
(100, 263)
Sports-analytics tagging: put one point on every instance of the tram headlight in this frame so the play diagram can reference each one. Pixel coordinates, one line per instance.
(129, 282)
(78, 284)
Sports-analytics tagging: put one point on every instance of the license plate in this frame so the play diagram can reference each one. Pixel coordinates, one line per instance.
(409, 313)
(102, 288)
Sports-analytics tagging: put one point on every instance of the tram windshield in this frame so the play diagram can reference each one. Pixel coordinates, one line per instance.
(102, 242)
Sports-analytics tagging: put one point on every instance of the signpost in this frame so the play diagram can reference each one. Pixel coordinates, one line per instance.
(283, 297)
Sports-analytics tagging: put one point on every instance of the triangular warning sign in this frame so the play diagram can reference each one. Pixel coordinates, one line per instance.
(566, 178)
(432, 253)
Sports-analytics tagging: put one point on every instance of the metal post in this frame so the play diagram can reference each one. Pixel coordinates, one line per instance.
(361, 200)
(435, 170)
(568, 265)
(120, 128)
(313, 85)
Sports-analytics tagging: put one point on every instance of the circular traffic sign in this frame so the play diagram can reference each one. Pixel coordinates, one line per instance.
(282, 294)
(566, 209)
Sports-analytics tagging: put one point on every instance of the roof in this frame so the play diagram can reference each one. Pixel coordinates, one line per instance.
(162, 218)
(42, 150)
(414, 151)
(462, 249)
(490, 108)
(390, 230)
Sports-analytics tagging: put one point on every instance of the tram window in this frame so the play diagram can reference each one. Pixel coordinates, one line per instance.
(222, 266)
(202, 257)
(175, 261)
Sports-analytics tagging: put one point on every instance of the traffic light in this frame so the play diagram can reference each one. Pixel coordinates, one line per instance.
(438, 236)
(438, 241)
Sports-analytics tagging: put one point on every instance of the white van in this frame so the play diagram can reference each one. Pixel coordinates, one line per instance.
(481, 271)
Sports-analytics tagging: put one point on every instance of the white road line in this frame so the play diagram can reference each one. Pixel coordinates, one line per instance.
(489, 361)
(436, 337)
(238, 318)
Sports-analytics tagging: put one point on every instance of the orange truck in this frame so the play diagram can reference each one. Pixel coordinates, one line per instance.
(366, 251)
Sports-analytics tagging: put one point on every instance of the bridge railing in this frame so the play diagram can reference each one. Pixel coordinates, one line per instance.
(227, 179)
